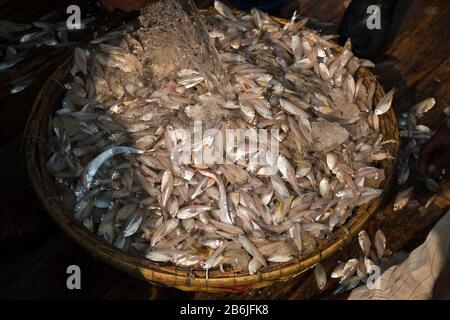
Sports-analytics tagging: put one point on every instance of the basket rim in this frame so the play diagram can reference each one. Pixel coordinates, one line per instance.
(183, 278)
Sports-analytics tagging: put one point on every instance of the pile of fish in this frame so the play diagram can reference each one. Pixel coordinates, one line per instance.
(113, 145)
(356, 270)
(412, 136)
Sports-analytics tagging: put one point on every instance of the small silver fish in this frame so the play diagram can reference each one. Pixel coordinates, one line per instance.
(223, 205)
(9, 27)
(325, 188)
(349, 269)
(256, 208)
(423, 107)
(19, 86)
(431, 184)
(251, 249)
(133, 224)
(279, 185)
(163, 255)
(192, 211)
(347, 285)
(224, 10)
(6, 64)
(321, 276)
(338, 272)
(33, 36)
(293, 109)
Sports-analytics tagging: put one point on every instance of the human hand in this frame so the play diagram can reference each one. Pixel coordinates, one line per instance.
(366, 43)
(435, 153)
(125, 5)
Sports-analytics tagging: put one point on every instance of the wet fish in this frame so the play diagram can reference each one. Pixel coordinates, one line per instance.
(251, 249)
(431, 185)
(224, 10)
(192, 211)
(402, 199)
(385, 103)
(349, 269)
(20, 85)
(166, 187)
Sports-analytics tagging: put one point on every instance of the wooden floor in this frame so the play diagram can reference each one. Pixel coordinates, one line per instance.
(35, 253)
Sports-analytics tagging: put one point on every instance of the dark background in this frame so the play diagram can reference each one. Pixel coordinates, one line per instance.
(34, 251)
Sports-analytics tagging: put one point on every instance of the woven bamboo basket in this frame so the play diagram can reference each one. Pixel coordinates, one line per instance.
(36, 152)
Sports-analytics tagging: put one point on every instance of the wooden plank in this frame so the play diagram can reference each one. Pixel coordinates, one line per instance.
(15, 108)
(404, 229)
(23, 217)
(26, 10)
(131, 288)
(39, 64)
